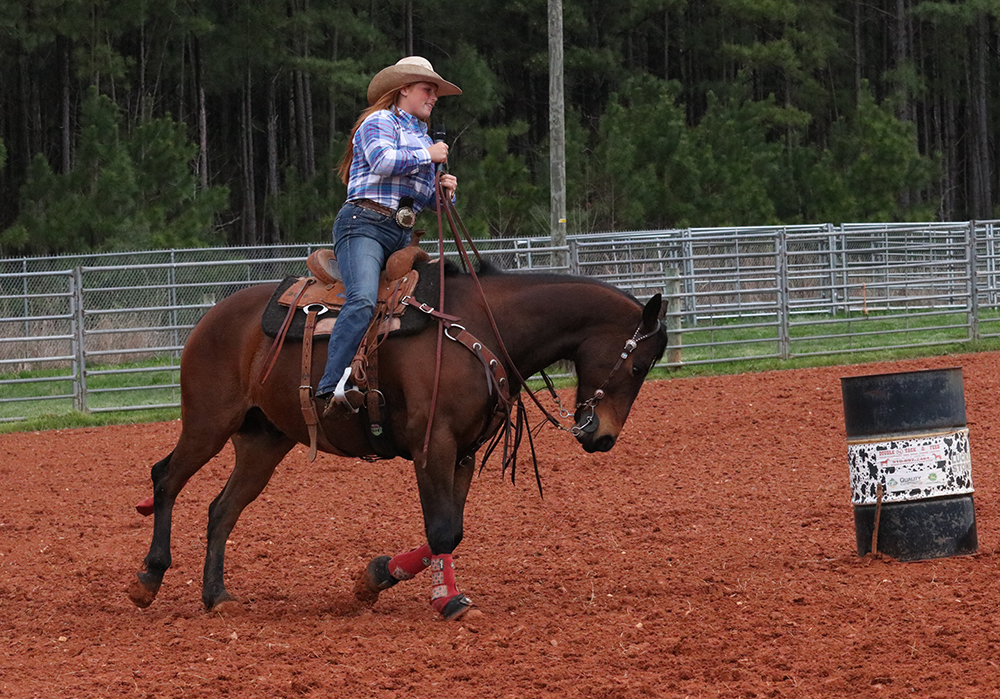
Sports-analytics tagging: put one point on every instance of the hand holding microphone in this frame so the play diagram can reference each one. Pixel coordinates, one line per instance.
(439, 152)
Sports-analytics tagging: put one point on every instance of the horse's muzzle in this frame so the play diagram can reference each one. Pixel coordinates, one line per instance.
(592, 444)
(586, 430)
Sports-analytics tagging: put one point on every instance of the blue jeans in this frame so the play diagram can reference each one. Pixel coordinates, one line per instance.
(362, 241)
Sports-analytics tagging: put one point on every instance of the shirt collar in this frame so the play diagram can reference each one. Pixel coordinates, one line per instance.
(410, 120)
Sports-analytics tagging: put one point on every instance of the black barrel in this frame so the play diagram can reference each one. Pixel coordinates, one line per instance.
(907, 433)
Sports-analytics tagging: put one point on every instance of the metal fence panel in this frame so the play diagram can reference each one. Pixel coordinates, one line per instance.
(39, 357)
(105, 331)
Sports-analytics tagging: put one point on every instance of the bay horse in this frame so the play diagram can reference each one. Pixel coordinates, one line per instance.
(611, 338)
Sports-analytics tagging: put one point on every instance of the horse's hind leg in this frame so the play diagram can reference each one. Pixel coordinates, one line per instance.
(260, 447)
(169, 477)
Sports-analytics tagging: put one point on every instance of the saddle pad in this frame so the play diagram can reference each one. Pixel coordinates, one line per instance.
(274, 314)
(411, 322)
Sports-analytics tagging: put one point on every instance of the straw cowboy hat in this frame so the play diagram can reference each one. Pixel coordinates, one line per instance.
(412, 69)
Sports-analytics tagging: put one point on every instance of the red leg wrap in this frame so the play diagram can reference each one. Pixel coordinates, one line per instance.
(442, 581)
(405, 565)
(145, 507)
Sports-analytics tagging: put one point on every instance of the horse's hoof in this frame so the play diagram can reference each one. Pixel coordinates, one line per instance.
(228, 608)
(459, 607)
(141, 595)
(145, 507)
(373, 579)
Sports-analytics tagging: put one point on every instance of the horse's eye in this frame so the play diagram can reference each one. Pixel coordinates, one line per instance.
(638, 370)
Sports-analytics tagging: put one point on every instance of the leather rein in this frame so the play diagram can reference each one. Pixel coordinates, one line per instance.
(455, 223)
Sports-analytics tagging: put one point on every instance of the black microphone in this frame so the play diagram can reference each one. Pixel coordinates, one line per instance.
(439, 134)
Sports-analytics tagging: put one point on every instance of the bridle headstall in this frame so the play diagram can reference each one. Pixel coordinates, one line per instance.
(591, 403)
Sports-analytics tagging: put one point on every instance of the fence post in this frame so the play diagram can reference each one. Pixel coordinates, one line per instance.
(172, 284)
(574, 257)
(690, 286)
(79, 348)
(973, 262)
(989, 265)
(781, 260)
(673, 319)
(24, 290)
(831, 259)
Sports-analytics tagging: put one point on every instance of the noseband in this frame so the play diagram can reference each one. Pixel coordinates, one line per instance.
(592, 422)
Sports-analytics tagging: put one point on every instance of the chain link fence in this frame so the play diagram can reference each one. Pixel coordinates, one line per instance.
(105, 332)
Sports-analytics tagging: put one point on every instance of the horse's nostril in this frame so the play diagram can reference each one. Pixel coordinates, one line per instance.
(602, 443)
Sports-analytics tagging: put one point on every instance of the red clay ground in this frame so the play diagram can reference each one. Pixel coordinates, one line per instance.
(710, 554)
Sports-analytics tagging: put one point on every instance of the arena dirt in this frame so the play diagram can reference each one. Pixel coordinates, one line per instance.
(710, 554)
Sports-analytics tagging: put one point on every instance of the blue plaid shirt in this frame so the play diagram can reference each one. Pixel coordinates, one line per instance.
(391, 161)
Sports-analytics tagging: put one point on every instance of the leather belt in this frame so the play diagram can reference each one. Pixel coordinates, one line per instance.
(404, 216)
(374, 206)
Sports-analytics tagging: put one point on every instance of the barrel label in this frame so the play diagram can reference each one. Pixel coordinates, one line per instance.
(911, 468)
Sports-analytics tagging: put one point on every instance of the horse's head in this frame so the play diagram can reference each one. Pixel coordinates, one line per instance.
(611, 367)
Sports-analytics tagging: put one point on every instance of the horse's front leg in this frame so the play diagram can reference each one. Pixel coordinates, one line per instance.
(442, 498)
(443, 492)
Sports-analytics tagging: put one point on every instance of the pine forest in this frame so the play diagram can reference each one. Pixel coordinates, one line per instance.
(127, 124)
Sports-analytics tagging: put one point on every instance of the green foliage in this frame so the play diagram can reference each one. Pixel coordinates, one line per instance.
(646, 169)
(135, 191)
(497, 193)
(872, 158)
(659, 172)
(741, 168)
(499, 184)
(305, 208)
(678, 113)
(747, 162)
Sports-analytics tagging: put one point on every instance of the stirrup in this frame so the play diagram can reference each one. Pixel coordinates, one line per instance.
(346, 395)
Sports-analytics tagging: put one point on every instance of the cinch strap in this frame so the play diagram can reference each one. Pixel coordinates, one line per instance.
(305, 382)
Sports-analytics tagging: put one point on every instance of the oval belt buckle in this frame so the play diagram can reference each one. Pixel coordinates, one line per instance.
(406, 217)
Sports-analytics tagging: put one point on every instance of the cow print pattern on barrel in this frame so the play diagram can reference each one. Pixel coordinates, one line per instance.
(869, 468)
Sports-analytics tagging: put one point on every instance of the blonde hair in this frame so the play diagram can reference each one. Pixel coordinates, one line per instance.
(386, 101)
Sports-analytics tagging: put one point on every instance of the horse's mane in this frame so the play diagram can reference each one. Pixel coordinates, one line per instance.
(487, 268)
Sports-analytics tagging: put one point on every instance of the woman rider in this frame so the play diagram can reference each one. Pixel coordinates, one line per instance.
(389, 159)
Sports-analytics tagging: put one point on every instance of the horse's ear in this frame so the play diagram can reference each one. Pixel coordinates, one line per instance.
(653, 312)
